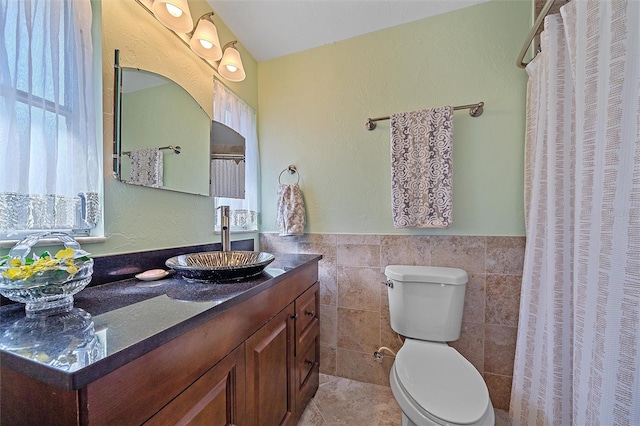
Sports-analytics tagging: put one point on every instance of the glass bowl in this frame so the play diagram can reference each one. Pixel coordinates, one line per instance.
(45, 285)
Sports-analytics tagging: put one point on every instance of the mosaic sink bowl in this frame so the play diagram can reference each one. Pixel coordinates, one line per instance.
(219, 266)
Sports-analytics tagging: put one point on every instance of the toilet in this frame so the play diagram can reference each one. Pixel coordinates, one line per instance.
(432, 383)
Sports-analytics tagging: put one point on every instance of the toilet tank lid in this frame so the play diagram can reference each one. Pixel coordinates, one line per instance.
(427, 274)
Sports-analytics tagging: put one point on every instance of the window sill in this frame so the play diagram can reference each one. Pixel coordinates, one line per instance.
(55, 241)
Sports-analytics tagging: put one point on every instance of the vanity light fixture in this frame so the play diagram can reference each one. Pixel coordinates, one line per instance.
(231, 64)
(203, 40)
(173, 14)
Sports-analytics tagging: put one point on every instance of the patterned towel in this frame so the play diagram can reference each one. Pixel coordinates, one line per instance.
(291, 213)
(147, 167)
(421, 168)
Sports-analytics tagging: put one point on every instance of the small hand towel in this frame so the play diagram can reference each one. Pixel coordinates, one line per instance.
(291, 214)
(146, 167)
(421, 168)
(227, 178)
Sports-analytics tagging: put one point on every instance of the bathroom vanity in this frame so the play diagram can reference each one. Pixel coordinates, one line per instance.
(175, 352)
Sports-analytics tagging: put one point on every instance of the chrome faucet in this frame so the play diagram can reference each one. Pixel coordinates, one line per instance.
(224, 228)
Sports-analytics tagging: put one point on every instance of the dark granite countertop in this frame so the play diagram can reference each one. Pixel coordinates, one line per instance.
(129, 318)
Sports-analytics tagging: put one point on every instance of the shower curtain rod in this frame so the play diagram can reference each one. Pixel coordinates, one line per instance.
(239, 157)
(475, 110)
(536, 25)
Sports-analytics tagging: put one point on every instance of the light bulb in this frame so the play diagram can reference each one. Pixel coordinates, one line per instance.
(173, 10)
(206, 44)
(232, 68)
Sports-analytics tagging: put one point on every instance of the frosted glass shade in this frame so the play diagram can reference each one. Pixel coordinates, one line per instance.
(173, 14)
(205, 42)
(231, 65)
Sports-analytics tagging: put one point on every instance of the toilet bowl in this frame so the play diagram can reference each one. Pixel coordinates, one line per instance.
(431, 381)
(435, 385)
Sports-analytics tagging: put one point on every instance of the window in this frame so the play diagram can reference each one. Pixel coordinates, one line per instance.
(50, 171)
(232, 111)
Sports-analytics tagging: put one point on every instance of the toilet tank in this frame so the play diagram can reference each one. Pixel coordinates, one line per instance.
(426, 302)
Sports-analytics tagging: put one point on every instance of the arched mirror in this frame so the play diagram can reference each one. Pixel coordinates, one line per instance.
(162, 136)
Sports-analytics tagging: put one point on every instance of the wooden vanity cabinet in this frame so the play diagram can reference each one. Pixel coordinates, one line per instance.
(283, 363)
(255, 363)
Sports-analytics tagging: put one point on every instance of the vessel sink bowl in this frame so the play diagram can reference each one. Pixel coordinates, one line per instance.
(217, 266)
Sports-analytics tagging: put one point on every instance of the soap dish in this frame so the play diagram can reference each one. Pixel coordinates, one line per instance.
(152, 275)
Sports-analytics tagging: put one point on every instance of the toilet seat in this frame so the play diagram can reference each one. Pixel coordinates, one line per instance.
(442, 385)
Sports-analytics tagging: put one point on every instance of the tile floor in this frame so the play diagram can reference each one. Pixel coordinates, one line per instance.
(341, 401)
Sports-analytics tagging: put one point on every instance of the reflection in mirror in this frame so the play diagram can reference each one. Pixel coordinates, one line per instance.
(227, 162)
(162, 134)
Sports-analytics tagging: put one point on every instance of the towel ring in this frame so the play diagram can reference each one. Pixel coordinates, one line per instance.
(291, 169)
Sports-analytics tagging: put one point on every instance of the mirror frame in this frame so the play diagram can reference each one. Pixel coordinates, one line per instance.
(117, 109)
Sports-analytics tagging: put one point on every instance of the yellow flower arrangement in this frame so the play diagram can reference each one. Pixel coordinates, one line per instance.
(66, 260)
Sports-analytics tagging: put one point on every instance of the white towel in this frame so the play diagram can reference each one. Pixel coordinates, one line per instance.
(227, 178)
(291, 213)
(146, 167)
(421, 168)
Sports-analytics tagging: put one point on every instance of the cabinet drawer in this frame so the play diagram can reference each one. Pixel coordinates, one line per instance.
(307, 357)
(307, 309)
(307, 378)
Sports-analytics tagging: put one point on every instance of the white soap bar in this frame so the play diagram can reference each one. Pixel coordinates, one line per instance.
(152, 274)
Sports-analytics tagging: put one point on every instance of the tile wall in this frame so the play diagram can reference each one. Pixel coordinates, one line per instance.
(355, 314)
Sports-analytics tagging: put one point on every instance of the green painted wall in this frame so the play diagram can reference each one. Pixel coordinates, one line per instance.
(313, 106)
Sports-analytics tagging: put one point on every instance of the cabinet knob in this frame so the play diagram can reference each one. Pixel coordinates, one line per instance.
(310, 313)
(309, 362)
(294, 316)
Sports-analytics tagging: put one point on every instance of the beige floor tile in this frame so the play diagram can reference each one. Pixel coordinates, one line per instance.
(341, 401)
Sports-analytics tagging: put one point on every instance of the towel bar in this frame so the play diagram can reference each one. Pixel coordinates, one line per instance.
(475, 110)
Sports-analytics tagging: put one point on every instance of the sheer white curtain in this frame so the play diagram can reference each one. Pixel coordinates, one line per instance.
(232, 111)
(578, 348)
(49, 170)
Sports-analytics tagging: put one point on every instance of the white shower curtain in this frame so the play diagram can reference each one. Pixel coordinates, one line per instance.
(578, 349)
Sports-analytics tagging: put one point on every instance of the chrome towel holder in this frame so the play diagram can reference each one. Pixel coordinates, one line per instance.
(292, 170)
(475, 110)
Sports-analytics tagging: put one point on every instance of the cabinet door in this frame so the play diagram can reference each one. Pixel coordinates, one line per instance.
(270, 399)
(215, 399)
(307, 374)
